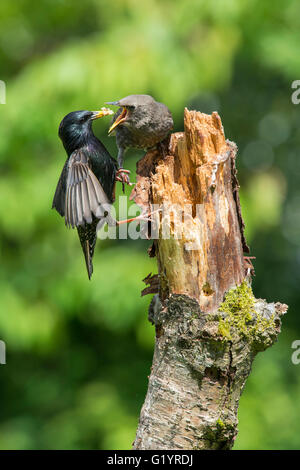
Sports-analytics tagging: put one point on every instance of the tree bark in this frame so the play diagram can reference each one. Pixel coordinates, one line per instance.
(209, 326)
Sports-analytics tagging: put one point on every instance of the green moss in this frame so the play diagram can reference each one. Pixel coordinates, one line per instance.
(240, 315)
(219, 435)
(220, 424)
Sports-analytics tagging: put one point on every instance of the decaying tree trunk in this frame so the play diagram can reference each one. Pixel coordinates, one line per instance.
(209, 326)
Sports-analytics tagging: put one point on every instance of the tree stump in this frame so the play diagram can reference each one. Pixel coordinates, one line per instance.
(209, 326)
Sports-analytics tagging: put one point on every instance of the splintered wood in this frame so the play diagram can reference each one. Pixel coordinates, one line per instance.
(200, 243)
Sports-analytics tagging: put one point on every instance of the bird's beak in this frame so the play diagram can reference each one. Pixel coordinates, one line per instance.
(101, 113)
(119, 120)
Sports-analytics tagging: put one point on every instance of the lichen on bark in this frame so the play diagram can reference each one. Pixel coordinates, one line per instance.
(197, 377)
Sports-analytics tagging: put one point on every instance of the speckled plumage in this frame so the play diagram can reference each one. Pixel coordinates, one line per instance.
(86, 185)
(147, 123)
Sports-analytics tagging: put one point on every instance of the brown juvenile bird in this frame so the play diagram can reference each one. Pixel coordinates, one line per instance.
(141, 122)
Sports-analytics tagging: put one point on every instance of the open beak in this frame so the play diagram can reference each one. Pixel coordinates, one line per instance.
(119, 120)
(103, 112)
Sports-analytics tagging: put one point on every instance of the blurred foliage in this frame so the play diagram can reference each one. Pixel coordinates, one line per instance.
(79, 352)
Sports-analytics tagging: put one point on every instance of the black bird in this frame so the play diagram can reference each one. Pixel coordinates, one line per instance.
(86, 186)
(141, 122)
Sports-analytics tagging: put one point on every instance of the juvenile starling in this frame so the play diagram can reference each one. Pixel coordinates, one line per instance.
(141, 122)
(86, 186)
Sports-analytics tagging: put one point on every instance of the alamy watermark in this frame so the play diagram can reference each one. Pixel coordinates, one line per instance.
(296, 94)
(296, 354)
(2, 352)
(164, 221)
(2, 92)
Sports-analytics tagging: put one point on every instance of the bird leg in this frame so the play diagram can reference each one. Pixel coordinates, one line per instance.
(141, 217)
(122, 174)
(127, 221)
(121, 152)
(113, 222)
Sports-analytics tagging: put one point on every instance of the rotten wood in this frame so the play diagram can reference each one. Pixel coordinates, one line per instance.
(203, 355)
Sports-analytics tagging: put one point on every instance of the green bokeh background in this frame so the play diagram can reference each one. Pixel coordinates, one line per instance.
(79, 352)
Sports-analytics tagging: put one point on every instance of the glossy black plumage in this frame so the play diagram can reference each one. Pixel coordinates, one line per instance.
(86, 186)
(141, 122)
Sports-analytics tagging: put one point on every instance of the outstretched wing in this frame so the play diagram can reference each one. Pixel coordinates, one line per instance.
(84, 193)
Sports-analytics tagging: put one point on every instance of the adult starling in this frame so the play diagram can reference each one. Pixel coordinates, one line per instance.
(86, 186)
(141, 122)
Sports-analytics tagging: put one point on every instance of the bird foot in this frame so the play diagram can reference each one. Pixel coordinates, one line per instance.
(249, 268)
(122, 175)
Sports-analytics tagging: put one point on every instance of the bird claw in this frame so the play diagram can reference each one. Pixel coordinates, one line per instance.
(249, 268)
(122, 175)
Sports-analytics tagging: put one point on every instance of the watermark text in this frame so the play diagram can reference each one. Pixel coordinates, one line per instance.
(2, 352)
(2, 92)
